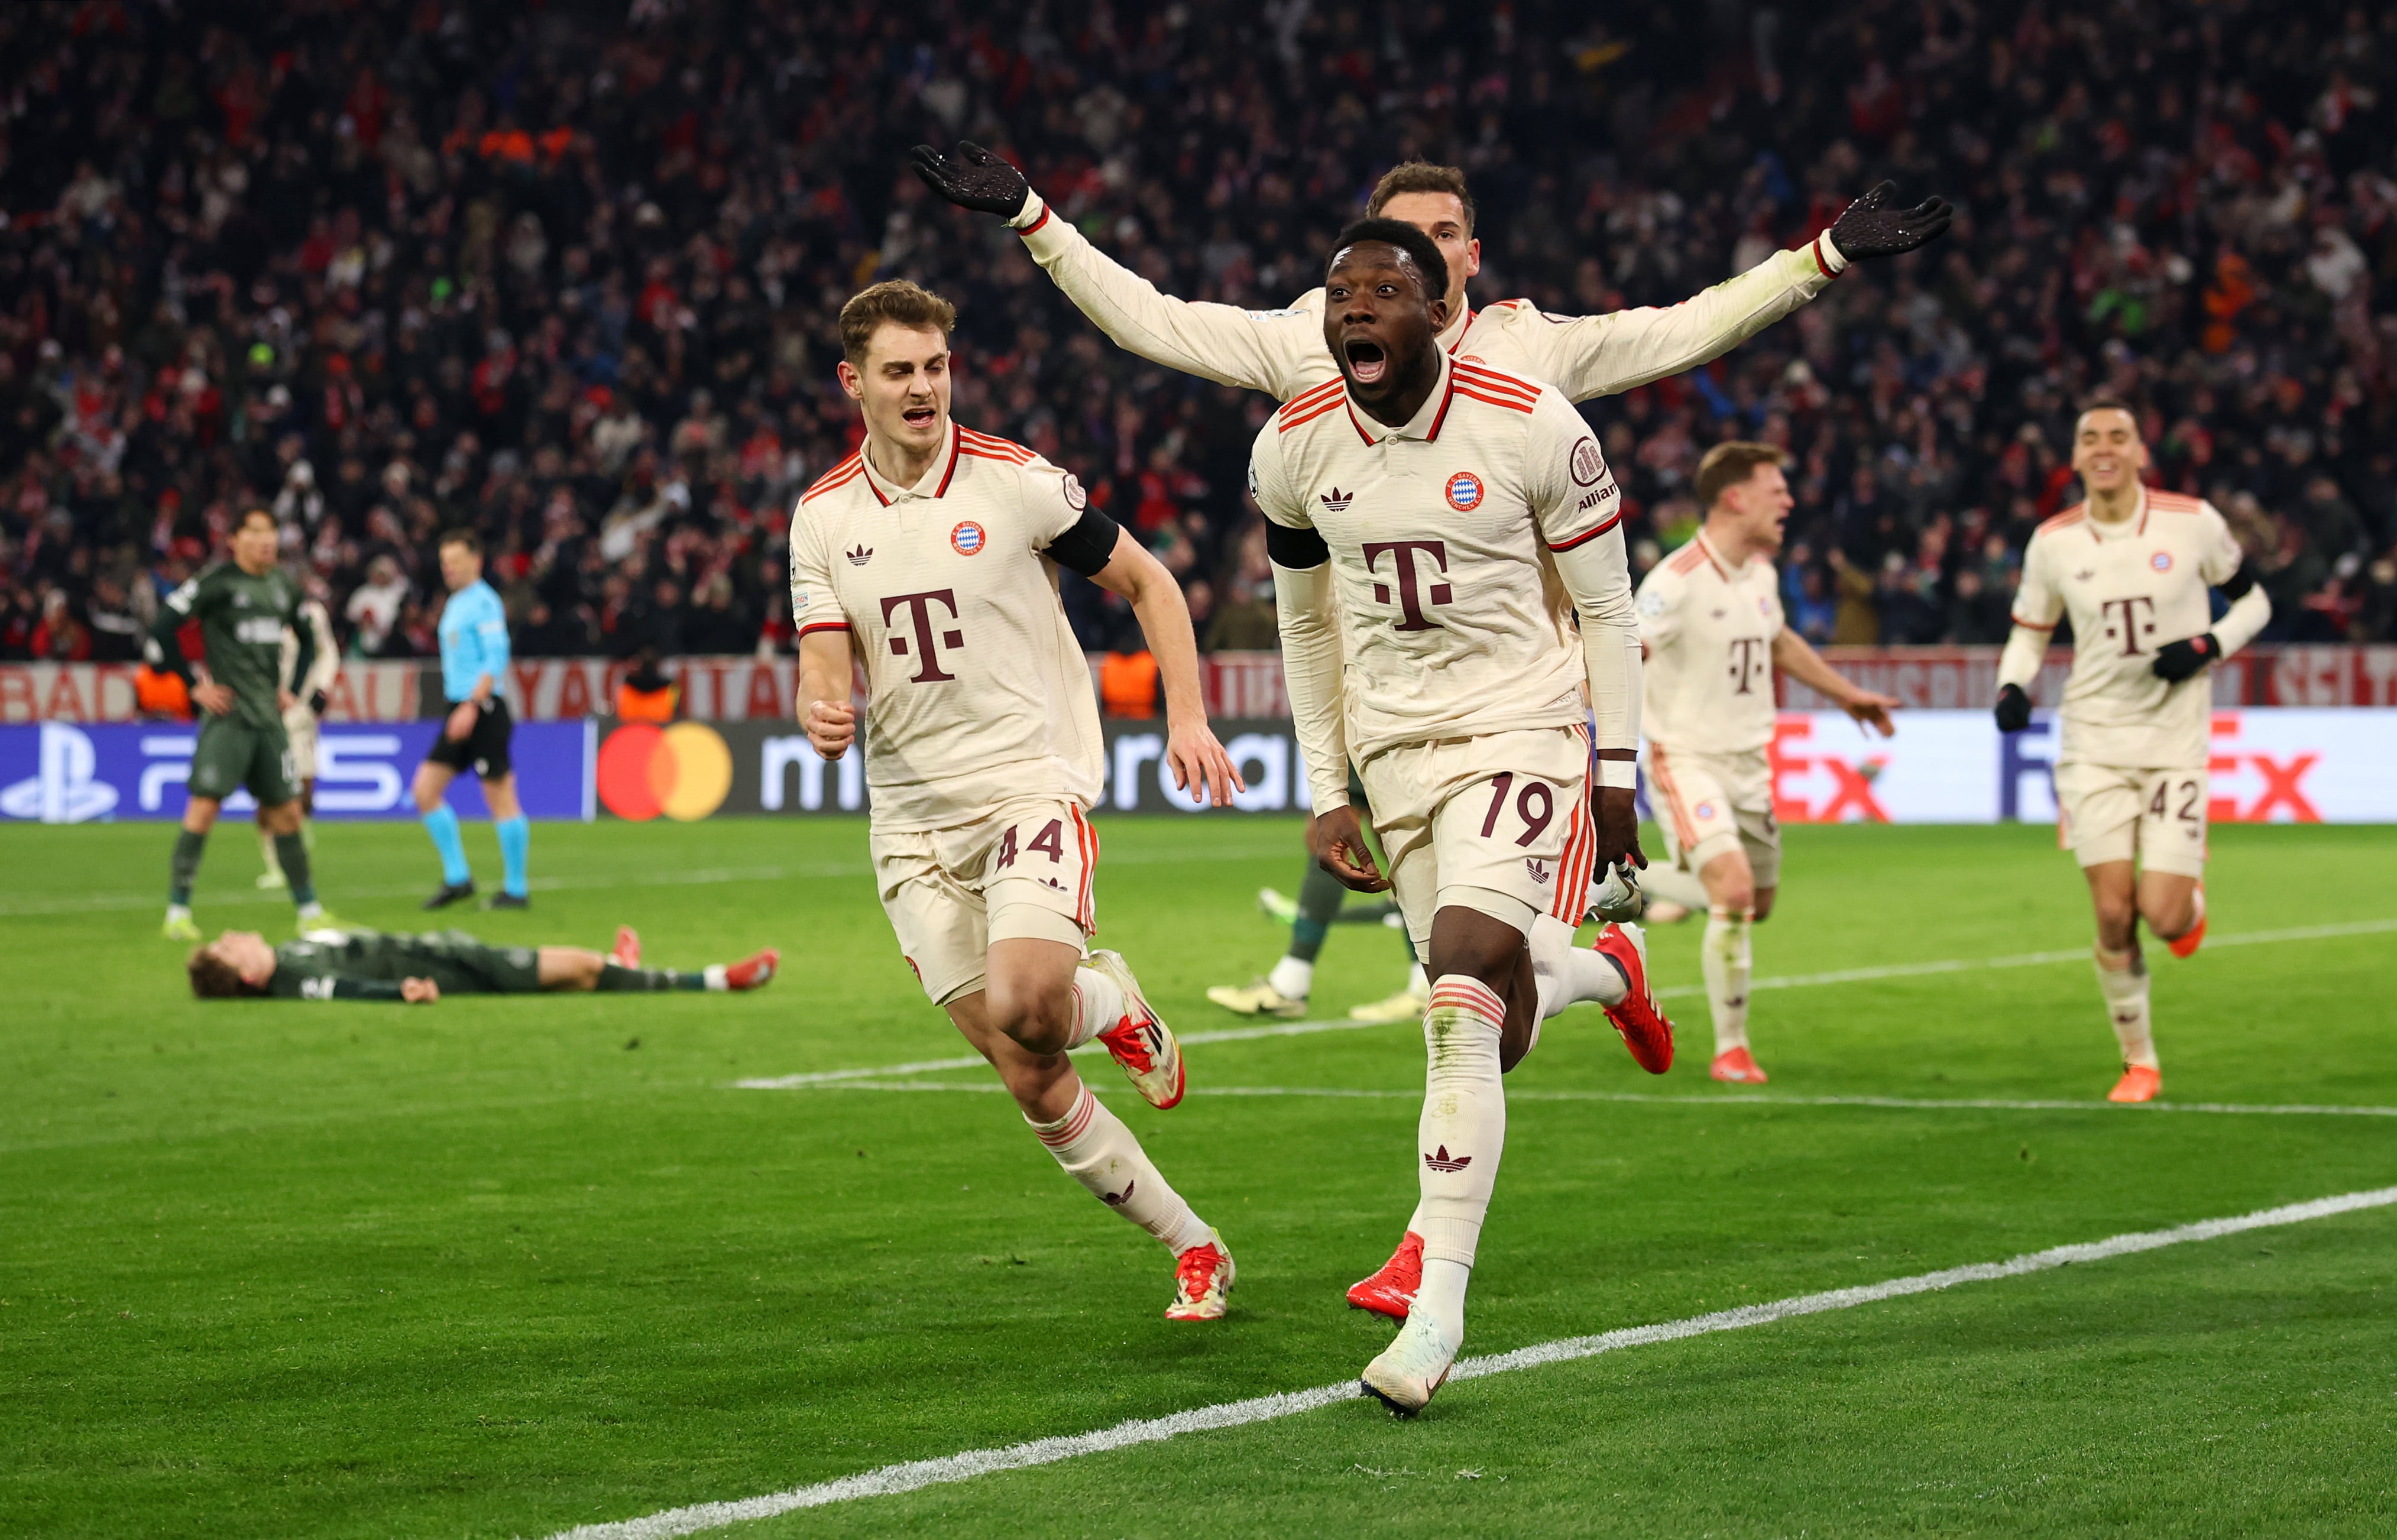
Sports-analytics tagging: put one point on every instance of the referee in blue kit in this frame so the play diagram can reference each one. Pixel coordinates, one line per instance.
(474, 661)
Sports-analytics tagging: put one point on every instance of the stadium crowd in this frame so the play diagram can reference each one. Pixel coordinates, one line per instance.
(569, 275)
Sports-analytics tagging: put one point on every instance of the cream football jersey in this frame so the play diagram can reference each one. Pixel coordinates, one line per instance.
(2128, 589)
(977, 691)
(1709, 630)
(1453, 620)
(1282, 352)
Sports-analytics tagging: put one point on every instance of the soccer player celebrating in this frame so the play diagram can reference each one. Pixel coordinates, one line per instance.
(243, 607)
(1282, 352)
(374, 965)
(2132, 567)
(1430, 519)
(474, 661)
(301, 719)
(930, 557)
(1711, 624)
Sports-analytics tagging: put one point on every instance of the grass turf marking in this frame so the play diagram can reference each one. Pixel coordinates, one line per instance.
(1798, 981)
(914, 1475)
(1718, 1099)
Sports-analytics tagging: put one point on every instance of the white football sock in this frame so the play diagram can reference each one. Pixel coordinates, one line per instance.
(1551, 943)
(1098, 1006)
(1098, 1152)
(1440, 1299)
(1462, 1129)
(1727, 961)
(1596, 978)
(1292, 978)
(1674, 886)
(2122, 979)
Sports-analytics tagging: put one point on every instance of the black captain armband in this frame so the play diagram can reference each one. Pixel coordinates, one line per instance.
(1088, 546)
(1295, 549)
(2236, 586)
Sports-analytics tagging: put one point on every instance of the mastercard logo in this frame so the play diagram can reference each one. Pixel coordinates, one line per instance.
(684, 772)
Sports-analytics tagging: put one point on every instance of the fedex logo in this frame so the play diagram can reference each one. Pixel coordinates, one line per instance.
(2259, 782)
(1815, 783)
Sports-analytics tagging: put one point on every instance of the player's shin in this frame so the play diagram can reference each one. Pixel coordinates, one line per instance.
(1727, 961)
(1460, 1137)
(293, 851)
(2122, 979)
(1101, 1152)
(184, 868)
(615, 976)
(1670, 884)
(515, 846)
(441, 823)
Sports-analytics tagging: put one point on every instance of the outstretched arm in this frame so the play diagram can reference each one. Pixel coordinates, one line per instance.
(1280, 351)
(1793, 656)
(1603, 355)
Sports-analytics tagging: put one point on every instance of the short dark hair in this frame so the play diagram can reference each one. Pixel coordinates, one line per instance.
(258, 510)
(1421, 176)
(1407, 238)
(2106, 401)
(897, 301)
(467, 538)
(1731, 462)
(214, 979)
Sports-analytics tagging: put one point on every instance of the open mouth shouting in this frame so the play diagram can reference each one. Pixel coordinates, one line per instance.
(1369, 363)
(919, 418)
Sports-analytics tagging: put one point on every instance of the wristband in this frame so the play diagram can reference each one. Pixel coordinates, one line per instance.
(1034, 212)
(1828, 255)
(1618, 774)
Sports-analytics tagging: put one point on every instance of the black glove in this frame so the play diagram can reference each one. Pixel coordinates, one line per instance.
(2014, 708)
(2179, 661)
(976, 178)
(1868, 229)
(317, 702)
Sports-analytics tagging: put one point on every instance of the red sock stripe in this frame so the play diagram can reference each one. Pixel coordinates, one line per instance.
(1077, 1122)
(1452, 992)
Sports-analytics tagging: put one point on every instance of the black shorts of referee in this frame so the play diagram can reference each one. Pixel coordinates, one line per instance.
(484, 750)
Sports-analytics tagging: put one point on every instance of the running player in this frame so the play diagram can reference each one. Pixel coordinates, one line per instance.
(1429, 519)
(243, 607)
(300, 723)
(475, 732)
(1282, 352)
(2131, 568)
(375, 965)
(1711, 630)
(930, 557)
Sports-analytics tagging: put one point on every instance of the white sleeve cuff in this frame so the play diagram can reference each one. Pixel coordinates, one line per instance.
(1032, 211)
(1828, 256)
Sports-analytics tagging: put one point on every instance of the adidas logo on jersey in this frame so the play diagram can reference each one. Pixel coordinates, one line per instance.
(859, 557)
(1538, 869)
(1338, 500)
(1445, 1162)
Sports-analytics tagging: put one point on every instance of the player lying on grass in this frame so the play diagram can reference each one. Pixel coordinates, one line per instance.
(2132, 567)
(244, 608)
(1428, 518)
(418, 969)
(929, 557)
(1713, 636)
(1283, 353)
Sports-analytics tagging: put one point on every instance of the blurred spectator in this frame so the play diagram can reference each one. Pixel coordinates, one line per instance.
(569, 276)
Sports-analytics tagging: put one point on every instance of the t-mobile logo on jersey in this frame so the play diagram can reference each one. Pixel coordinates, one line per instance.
(2130, 625)
(1402, 563)
(1746, 655)
(919, 608)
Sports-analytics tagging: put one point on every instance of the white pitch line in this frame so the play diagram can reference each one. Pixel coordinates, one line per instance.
(1797, 981)
(915, 1475)
(1723, 1099)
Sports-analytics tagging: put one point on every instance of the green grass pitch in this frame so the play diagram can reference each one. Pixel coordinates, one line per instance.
(502, 1266)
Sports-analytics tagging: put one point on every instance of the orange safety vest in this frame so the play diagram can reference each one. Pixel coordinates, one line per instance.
(1127, 684)
(159, 693)
(645, 705)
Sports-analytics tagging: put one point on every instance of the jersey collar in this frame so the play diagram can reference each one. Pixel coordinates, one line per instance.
(1454, 338)
(1715, 556)
(2139, 526)
(933, 483)
(1427, 421)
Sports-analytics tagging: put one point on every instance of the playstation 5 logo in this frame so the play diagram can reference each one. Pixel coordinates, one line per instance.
(62, 790)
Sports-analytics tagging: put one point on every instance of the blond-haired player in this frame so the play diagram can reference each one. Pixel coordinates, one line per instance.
(2132, 567)
(1710, 622)
(1282, 352)
(301, 719)
(1430, 521)
(929, 557)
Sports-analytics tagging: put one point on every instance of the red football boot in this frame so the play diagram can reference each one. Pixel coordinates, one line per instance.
(2187, 945)
(1391, 1292)
(751, 972)
(2139, 1083)
(627, 950)
(1645, 1031)
(1739, 1066)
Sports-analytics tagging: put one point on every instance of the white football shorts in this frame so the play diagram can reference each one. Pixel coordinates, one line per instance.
(2154, 816)
(1708, 805)
(1022, 869)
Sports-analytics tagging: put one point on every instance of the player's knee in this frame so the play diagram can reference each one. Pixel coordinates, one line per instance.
(1040, 1019)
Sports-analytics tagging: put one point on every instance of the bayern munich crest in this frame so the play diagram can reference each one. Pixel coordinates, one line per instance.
(2161, 561)
(1464, 491)
(966, 537)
